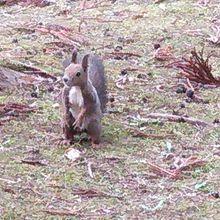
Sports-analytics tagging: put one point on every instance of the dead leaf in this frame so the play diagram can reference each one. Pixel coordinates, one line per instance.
(72, 154)
(163, 54)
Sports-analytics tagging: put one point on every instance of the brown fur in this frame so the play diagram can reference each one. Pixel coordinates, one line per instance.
(90, 113)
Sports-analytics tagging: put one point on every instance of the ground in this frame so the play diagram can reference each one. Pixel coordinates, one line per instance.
(132, 190)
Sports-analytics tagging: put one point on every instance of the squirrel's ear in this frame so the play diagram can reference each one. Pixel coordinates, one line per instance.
(85, 62)
(74, 56)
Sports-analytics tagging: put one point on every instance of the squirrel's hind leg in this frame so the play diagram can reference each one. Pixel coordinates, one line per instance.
(94, 132)
(68, 129)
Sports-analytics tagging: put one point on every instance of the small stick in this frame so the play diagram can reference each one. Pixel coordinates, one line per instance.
(8, 181)
(124, 54)
(90, 169)
(177, 118)
(61, 212)
(163, 171)
(138, 133)
(35, 70)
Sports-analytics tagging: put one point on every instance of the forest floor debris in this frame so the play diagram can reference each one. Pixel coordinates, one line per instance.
(112, 182)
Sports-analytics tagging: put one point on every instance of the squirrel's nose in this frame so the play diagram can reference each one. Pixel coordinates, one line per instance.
(65, 79)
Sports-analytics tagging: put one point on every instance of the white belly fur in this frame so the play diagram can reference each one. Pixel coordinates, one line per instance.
(76, 100)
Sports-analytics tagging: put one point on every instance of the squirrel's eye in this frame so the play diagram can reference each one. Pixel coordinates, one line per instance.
(78, 74)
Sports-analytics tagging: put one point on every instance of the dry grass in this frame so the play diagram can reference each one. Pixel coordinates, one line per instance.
(120, 169)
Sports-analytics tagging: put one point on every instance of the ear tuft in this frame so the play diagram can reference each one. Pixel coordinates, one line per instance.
(74, 56)
(85, 62)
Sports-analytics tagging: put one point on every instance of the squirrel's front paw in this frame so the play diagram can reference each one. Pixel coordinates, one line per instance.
(63, 142)
(78, 122)
(96, 146)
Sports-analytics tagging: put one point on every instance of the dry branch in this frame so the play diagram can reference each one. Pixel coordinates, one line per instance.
(67, 36)
(163, 171)
(177, 118)
(37, 3)
(86, 5)
(137, 133)
(197, 68)
(9, 111)
(16, 107)
(34, 162)
(189, 163)
(184, 164)
(61, 212)
(64, 34)
(91, 193)
(121, 55)
(28, 69)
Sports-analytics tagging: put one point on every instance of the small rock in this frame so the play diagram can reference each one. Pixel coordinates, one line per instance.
(34, 95)
(156, 46)
(144, 100)
(126, 109)
(124, 72)
(172, 167)
(190, 93)
(111, 99)
(72, 154)
(216, 121)
(118, 48)
(181, 89)
(121, 39)
(182, 105)
(206, 102)
(50, 89)
(141, 76)
(215, 195)
(15, 41)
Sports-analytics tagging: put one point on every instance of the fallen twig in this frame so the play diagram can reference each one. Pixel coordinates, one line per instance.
(91, 193)
(18, 66)
(34, 162)
(37, 3)
(123, 54)
(62, 212)
(163, 54)
(86, 5)
(89, 165)
(163, 171)
(8, 181)
(7, 119)
(138, 133)
(15, 107)
(9, 111)
(64, 34)
(177, 118)
(182, 165)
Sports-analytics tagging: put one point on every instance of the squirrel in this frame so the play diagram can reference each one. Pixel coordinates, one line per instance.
(84, 97)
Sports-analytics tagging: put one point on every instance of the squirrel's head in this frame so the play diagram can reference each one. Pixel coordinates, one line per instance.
(76, 74)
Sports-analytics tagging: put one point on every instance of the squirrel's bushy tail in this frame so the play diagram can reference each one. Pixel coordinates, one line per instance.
(98, 79)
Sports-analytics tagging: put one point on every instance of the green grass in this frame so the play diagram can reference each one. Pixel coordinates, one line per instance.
(120, 167)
